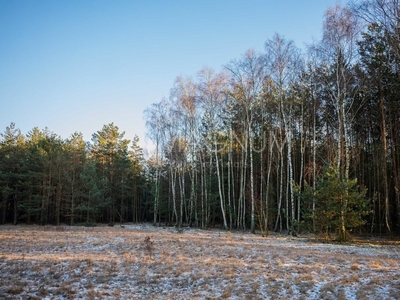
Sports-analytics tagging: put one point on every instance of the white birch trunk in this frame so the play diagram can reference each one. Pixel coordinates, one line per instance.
(252, 224)
(220, 188)
(267, 187)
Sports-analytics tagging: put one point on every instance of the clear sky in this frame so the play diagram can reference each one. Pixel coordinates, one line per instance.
(76, 65)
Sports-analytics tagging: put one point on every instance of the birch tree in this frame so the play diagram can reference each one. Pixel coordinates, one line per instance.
(247, 78)
(212, 96)
(155, 124)
(185, 92)
(284, 65)
(385, 13)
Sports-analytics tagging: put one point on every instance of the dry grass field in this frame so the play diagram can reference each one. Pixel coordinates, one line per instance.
(146, 262)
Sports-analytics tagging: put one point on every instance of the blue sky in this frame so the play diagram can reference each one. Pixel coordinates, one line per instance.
(77, 65)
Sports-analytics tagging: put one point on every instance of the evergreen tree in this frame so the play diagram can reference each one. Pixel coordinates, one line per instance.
(110, 151)
(338, 200)
(12, 176)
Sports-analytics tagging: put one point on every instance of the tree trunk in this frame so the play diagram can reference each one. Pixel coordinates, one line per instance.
(267, 185)
(280, 195)
(220, 188)
(290, 183)
(384, 158)
(72, 198)
(229, 181)
(181, 181)
(15, 213)
(173, 179)
(252, 224)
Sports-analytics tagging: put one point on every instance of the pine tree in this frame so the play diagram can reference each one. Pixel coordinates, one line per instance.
(339, 200)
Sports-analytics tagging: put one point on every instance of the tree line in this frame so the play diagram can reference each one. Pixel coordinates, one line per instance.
(285, 140)
(47, 180)
(279, 140)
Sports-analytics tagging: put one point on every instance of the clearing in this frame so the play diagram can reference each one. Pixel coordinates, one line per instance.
(103, 262)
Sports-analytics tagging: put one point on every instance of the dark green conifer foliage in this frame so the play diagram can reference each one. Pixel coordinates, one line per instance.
(339, 201)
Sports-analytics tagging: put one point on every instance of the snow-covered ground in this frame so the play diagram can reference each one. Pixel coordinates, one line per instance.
(116, 263)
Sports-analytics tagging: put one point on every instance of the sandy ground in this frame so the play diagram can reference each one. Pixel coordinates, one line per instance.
(146, 262)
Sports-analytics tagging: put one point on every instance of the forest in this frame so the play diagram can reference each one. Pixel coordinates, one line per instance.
(283, 140)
